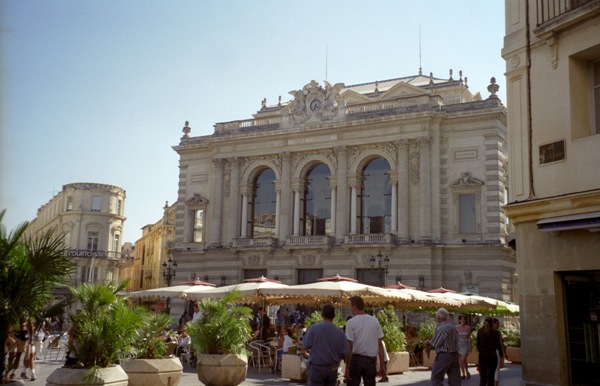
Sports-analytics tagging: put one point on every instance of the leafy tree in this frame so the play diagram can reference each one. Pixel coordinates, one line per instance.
(393, 336)
(30, 268)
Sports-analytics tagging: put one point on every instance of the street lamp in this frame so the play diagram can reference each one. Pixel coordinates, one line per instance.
(169, 268)
(383, 264)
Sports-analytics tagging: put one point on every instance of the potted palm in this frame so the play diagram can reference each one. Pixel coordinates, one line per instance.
(219, 337)
(395, 341)
(512, 340)
(153, 363)
(31, 267)
(102, 333)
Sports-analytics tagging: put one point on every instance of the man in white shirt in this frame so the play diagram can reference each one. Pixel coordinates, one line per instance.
(365, 340)
(197, 313)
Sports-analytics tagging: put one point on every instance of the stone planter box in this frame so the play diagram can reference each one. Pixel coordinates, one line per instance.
(222, 370)
(291, 369)
(155, 372)
(113, 376)
(428, 359)
(398, 363)
(513, 354)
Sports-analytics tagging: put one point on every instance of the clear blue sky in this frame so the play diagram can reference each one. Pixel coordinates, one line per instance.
(98, 91)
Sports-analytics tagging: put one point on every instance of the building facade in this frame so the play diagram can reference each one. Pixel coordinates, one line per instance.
(152, 250)
(552, 53)
(403, 179)
(91, 217)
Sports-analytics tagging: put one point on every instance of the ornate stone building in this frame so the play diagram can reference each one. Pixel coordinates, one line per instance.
(152, 250)
(91, 217)
(408, 172)
(552, 53)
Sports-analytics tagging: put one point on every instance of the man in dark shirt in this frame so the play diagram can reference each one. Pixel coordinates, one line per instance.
(445, 343)
(327, 345)
(265, 322)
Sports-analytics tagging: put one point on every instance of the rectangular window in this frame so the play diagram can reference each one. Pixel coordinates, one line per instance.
(89, 274)
(92, 244)
(116, 243)
(198, 225)
(468, 213)
(95, 203)
(69, 203)
(254, 273)
(596, 97)
(306, 276)
(119, 207)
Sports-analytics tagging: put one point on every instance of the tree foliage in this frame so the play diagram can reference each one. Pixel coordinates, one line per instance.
(393, 336)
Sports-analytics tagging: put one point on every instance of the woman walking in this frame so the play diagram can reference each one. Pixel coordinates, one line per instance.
(464, 345)
(488, 343)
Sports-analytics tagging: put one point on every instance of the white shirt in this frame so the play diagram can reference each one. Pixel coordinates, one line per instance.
(196, 316)
(364, 331)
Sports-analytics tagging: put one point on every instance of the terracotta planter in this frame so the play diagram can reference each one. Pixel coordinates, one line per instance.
(155, 372)
(114, 376)
(222, 370)
(513, 354)
(398, 363)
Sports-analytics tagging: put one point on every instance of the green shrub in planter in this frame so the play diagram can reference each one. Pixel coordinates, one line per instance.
(426, 331)
(151, 344)
(316, 317)
(512, 338)
(393, 336)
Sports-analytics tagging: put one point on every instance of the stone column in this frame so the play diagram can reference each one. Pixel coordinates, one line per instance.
(424, 144)
(333, 187)
(277, 210)
(217, 207)
(285, 206)
(234, 201)
(341, 223)
(353, 208)
(403, 193)
(394, 209)
(296, 219)
(244, 224)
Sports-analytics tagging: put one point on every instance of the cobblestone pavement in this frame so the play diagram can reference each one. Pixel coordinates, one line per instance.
(509, 376)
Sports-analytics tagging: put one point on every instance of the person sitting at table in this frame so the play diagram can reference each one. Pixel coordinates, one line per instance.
(285, 340)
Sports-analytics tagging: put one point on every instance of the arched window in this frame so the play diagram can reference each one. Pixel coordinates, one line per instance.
(264, 204)
(317, 202)
(376, 198)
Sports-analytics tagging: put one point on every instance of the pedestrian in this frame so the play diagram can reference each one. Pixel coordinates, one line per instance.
(197, 313)
(29, 359)
(22, 337)
(264, 324)
(465, 345)
(497, 372)
(445, 343)
(365, 341)
(489, 345)
(327, 346)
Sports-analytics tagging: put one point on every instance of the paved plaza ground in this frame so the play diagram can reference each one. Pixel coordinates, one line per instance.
(509, 376)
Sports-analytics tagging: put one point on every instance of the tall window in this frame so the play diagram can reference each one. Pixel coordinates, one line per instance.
(468, 213)
(263, 207)
(92, 244)
(95, 203)
(198, 225)
(116, 242)
(69, 203)
(89, 274)
(376, 198)
(596, 96)
(119, 206)
(317, 202)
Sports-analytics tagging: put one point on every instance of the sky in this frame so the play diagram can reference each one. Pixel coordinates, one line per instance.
(98, 91)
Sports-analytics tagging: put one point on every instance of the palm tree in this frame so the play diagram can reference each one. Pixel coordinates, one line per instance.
(30, 268)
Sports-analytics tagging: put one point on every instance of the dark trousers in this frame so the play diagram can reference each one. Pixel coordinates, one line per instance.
(322, 375)
(445, 363)
(362, 367)
(487, 368)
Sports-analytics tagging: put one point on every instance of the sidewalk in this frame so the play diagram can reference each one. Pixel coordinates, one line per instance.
(509, 376)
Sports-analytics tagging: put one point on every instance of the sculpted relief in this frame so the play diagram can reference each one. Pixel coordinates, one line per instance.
(314, 101)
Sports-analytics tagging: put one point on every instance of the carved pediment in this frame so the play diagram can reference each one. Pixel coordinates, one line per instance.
(315, 102)
(196, 200)
(402, 90)
(467, 179)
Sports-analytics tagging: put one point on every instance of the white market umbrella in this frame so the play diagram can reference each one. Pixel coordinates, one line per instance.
(251, 291)
(175, 291)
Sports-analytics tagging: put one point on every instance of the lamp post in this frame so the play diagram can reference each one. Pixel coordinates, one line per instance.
(383, 264)
(169, 268)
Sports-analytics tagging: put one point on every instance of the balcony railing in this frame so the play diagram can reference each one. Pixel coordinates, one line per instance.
(369, 238)
(257, 242)
(300, 241)
(550, 9)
